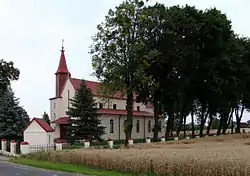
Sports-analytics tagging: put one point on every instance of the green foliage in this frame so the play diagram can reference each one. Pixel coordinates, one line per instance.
(7, 73)
(13, 118)
(84, 118)
(181, 59)
(46, 118)
(117, 52)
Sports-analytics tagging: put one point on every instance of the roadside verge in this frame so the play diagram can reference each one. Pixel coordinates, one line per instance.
(67, 167)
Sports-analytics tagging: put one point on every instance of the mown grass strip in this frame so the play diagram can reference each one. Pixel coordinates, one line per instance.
(67, 167)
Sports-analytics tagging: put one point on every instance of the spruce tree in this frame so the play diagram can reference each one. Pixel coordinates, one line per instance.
(8, 73)
(84, 122)
(46, 118)
(13, 118)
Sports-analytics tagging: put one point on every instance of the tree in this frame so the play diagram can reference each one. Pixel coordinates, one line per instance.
(13, 118)
(149, 90)
(7, 73)
(84, 122)
(248, 123)
(46, 118)
(117, 52)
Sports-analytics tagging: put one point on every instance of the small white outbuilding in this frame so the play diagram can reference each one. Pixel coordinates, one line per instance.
(38, 132)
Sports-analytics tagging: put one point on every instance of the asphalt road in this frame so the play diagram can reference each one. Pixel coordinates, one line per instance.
(8, 169)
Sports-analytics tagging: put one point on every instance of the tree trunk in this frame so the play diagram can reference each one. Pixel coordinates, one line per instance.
(129, 125)
(169, 126)
(156, 117)
(219, 127)
(203, 121)
(178, 129)
(209, 124)
(221, 124)
(227, 122)
(184, 126)
(192, 118)
(232, 125)
(237, 129)
(238, 118)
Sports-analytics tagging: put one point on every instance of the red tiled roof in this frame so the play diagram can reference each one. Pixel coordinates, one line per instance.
(149, 105)
(94, 86)
(55, 98)
(42, 123)
(62, 68)
(61, 120)
(64, 120)
(243, 125)
(124, 112)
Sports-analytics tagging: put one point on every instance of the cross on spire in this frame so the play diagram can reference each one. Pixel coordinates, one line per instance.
(62, 44)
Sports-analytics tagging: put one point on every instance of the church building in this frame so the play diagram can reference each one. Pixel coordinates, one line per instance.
(112, 109)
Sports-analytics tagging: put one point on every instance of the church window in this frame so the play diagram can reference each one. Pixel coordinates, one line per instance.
(54, 116)
(111, 126)
(68, 98)
(100, 105)
(124, 124)
(149, 126)
(138, 108)
(138, 126)
(114, 106)
(54, 105)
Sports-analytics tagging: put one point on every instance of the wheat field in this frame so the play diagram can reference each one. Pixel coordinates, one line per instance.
(213, 156)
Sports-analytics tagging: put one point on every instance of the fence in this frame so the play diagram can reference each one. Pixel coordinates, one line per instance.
(44, 147)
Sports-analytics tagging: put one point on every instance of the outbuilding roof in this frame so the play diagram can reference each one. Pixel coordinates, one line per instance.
(42, 123)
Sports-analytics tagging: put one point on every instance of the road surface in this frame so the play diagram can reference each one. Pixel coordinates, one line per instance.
(8, 169)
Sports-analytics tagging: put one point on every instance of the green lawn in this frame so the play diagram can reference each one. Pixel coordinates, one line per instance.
(68, 167)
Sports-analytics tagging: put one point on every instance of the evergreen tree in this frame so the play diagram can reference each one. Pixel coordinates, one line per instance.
(13, 118)
(8, 73)
(84, 118)
(46, 118)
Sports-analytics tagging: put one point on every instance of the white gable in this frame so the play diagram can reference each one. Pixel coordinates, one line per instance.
(34, 126)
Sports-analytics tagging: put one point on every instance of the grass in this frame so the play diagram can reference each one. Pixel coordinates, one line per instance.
(213, 156)
(67, 167)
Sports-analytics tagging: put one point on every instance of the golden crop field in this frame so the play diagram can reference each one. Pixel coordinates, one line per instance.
(224, 155)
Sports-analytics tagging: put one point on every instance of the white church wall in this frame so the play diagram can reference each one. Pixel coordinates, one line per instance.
(105, 120)
(67, 93)
(118, 132)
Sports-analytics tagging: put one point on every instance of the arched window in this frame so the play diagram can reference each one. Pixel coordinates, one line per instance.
(125, 122)
(124, 125)
(138, 126)
(149, 126)
(111, 126)
(159, 123)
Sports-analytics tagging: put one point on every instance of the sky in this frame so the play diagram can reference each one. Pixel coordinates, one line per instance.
(31, 34)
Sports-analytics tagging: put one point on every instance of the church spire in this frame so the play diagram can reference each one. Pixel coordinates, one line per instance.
(62, 68)
(62, 73)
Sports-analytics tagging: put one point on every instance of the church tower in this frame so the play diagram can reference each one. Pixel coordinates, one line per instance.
(62, 73)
